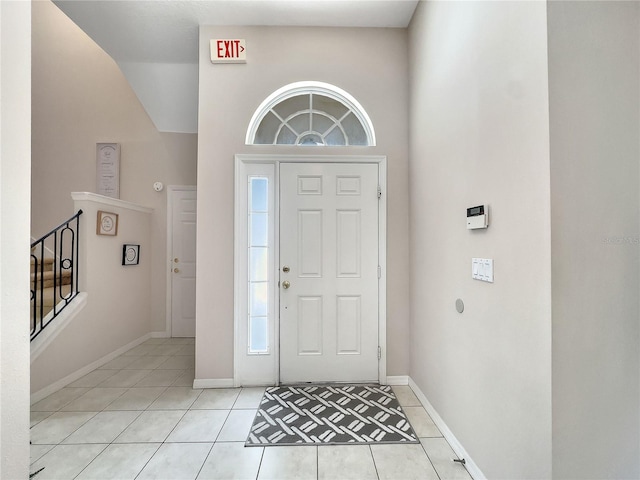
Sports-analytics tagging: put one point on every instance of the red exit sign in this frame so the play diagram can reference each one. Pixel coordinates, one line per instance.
(228, 50)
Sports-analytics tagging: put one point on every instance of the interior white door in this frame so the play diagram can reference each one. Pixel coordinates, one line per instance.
(183, 263)
(328, 272)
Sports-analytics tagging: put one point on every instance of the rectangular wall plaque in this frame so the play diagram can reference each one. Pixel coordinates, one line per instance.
(108, 169)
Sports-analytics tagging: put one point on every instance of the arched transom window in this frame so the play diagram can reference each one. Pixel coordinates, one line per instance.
(310, 113)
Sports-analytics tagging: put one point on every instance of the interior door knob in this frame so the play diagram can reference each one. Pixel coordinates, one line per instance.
(176, 270)
(286, 284)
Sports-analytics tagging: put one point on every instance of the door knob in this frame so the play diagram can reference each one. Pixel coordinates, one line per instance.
(286, 284)
(176, 270)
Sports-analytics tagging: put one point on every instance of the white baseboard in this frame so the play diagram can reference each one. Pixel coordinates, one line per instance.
(213, 383)
(160, 334)
(55, 386)
(457, 447)
(398, 380)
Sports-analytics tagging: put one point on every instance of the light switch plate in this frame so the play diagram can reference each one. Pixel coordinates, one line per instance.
(482, 269)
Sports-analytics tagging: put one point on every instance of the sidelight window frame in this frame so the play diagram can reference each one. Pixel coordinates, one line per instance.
(263, 369)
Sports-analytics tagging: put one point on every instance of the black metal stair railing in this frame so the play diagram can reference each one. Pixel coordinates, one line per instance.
(54, 281)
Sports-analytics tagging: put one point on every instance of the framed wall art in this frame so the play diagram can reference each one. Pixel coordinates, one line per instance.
(130, 254)
(107, 223)
(108, 169)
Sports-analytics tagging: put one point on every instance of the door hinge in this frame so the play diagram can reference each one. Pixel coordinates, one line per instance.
(379, 191)
(379, 353)
(379, 272)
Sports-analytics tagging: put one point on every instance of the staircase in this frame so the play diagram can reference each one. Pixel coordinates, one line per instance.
(54, 285)
(54, 273)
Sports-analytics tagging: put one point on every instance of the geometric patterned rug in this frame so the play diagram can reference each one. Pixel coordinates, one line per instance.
(330, 415)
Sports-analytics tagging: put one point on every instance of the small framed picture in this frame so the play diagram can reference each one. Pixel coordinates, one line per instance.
(130, 254)
(107, 223)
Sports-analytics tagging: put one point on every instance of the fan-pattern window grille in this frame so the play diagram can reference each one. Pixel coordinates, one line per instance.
(310, 113)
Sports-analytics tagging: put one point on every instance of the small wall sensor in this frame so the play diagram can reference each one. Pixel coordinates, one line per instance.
(478, 217)
(158, 186)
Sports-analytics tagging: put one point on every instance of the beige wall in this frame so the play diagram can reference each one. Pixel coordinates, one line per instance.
(118, 310)
(15, 116)
(594, 110)
(370, 64)
(81, 98)
(479, 134)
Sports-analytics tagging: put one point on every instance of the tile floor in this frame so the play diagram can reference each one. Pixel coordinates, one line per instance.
(138, 417)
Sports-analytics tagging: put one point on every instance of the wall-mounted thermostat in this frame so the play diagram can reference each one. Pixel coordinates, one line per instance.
(478, 217)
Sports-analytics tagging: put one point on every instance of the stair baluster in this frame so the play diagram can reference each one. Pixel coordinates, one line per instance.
(54, 279)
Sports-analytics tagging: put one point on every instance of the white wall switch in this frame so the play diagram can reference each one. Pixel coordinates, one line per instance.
(482, 269)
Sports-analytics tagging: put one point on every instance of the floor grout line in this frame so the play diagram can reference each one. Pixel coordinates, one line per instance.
(179, 357)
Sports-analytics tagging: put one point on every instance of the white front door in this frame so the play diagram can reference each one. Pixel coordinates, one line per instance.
(183, 263)
(328, 272)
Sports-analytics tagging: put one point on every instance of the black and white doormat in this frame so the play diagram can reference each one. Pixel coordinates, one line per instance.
(330, 414)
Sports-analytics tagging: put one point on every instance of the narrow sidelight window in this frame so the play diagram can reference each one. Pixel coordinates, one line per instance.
(258, 265)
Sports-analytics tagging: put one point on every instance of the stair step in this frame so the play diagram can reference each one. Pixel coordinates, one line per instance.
(48, 302)
(47, 277)
(47, 262)
(48, 297)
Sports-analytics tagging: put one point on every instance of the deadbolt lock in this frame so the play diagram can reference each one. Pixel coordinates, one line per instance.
(175, 260)
(286, 269)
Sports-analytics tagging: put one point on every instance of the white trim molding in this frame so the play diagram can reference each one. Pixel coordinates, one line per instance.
(457, 447)
(398, 380)
(242, 160)
(72, 377)
(254, 369)
(113, 202)
(311, 87)
(213, 383)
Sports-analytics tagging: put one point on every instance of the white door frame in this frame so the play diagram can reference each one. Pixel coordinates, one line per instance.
(240, 276)
(171, 189)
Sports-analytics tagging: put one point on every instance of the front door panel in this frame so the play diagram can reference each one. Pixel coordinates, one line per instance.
(329, 295)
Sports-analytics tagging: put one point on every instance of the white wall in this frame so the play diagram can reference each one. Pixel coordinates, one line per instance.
(80, 98)
(594, 87)
(168, 91)
(118, 310)
(479, 134)
(370, 64)
(15, 138)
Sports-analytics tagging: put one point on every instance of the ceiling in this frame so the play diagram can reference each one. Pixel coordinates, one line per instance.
(166, 31)
(155, 42)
